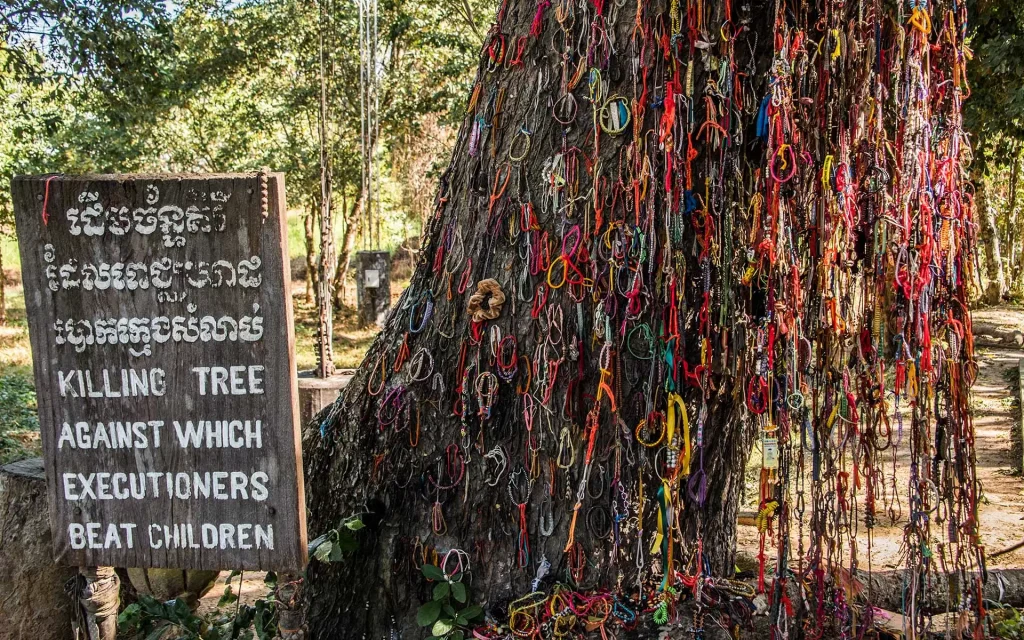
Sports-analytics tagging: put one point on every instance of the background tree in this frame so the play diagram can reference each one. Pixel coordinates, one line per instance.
(47, 47)
(995, 116)
(231, 86)
(27, 122)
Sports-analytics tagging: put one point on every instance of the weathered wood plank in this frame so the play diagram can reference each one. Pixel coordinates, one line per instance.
(160, 324)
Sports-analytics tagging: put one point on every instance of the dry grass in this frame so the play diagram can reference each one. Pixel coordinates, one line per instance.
(350, 342)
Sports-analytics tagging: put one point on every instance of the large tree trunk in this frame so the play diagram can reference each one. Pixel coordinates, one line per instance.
(482, 195)
(734, 260)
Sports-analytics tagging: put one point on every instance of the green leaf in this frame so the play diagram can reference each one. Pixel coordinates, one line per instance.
(157, 632)
(441, 590)
(428, 613)
(228, 597)
(459, 591)
(442, 627)
(337, 553)
(432, 572)
(131, 612)
(265, 620)
(472, 612)
(181, 610)
(347, 542)
(457, 635)
(354, 524)
(323, 551)
(152, 607)
(270, 580)
(448, 610)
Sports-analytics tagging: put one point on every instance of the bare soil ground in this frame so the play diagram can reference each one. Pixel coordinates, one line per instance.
(249, 587)
(997, 423)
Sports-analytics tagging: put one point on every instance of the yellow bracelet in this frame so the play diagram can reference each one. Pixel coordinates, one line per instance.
(618, 103)
(649, 445)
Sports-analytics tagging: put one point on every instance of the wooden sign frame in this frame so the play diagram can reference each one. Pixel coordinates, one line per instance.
(162, 336)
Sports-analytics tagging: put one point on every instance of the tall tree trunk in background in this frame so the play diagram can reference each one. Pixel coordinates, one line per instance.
(309, 236)
(348, 243)
(1013, 234)
(1006, 233)
(989, 236)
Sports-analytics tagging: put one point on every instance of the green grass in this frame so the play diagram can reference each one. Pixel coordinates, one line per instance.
(350, 342)
(19, 423)
(296, 235)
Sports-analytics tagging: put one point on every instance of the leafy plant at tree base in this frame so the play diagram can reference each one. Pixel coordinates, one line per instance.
(1006, 622)
(150, 619)
(333, 545)
(449, 613)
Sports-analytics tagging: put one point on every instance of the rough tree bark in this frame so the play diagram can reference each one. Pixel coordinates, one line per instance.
(348, 243)
(35, 604)
(1012, 237)
(308, 226)
(362, 459)
(990, 238)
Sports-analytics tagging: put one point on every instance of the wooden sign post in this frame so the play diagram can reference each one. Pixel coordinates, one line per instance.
(161, 330)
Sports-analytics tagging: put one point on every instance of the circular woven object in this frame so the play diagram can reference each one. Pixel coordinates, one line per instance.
(487, 291)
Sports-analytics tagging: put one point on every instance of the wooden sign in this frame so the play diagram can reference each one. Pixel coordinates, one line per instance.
(161, 329)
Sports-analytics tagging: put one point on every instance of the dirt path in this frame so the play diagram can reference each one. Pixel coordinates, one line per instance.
(995, 414)
(249, 587)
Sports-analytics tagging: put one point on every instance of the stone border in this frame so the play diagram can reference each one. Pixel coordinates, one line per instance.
(1020, 406)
